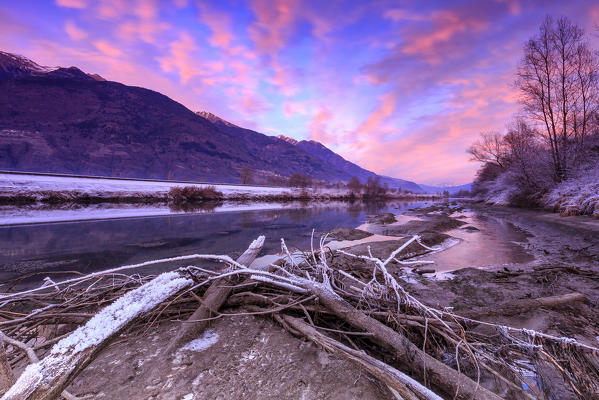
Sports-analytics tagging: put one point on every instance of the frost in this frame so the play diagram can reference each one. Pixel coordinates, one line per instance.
(576, 196)
(188, 396)
(31, 377)
(202, 343)
(118, 314)
(102, 326)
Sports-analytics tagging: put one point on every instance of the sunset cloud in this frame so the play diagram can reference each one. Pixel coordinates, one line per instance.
(107, 48)
(74, 32)
(72, 3)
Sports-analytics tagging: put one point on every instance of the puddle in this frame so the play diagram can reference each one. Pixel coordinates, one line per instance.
(484, 242)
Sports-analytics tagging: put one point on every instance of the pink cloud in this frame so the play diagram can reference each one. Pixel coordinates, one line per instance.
(319, 126)
(220, 25)
(446, 24)
(145, 30)
(274, 23)
(295, 107)
(112, 9)
(72, 3)
(373, 123)
(399, 14)
(107, 48)
(513, 5)
(251, 104)
(181, 59)
(74, 32)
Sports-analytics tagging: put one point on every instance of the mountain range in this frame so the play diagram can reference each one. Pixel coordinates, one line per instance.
(64, 120)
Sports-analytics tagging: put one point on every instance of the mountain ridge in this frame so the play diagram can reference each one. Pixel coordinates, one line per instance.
(64, 120)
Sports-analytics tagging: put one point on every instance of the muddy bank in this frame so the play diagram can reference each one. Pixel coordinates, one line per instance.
(250, 356)
(560, 257)
(241, 357)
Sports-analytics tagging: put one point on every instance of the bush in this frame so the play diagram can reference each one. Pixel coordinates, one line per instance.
(190, 194)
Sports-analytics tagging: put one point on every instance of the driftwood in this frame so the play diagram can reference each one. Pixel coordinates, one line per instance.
(363, 306)
(7, 379)
(520, 306)
(33, 358)
(47, 379)
(413, 358)
(405, 386)
(216, 295)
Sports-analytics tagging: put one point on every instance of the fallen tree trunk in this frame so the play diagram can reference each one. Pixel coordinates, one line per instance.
(216, 295)
(7, 378)
(407, 387)
(47, 379)
(520, 306)
(424, 366)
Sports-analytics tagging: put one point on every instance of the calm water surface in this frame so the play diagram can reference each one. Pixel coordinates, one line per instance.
(92, 245)
(87, 246)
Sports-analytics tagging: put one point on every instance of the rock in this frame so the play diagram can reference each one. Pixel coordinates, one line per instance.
(437, 223)
(386, 218)
(348, 234)
(425, 270)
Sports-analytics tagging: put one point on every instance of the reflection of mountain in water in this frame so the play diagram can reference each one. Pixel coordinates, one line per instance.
(91, 245)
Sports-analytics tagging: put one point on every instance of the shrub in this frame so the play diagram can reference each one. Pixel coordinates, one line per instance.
(190, 194)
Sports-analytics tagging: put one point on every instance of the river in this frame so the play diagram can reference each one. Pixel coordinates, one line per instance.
(124, 235)
(113, 235)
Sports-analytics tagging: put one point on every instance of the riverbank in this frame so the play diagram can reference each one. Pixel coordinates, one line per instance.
(43, 190)
(578, 195)
(251, 356)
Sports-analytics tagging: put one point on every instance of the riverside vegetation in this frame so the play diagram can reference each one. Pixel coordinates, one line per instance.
(549, 155)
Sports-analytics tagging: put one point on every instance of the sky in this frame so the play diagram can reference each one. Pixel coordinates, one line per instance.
(401, 88)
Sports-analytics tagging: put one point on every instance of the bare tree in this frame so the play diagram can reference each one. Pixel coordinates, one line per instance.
(557, 79)
(299, 180)
(247, 175)
(354, 185)
(521, 146)
(373, 188)
(490, 148)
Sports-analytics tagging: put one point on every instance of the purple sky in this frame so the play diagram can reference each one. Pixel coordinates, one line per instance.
(399, 87)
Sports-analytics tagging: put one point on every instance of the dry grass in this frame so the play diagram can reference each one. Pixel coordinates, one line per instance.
(191, 194)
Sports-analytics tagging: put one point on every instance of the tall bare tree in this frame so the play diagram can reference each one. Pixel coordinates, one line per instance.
(557, 78)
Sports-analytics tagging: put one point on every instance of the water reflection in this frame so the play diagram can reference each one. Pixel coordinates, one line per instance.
(492, 242)
(97, 244)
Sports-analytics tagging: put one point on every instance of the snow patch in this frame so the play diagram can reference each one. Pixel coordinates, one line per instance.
(202, 343)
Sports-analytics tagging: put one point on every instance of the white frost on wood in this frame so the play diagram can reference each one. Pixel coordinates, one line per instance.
(101, 327)
(124, 310)
(202, 343)
(31, 377)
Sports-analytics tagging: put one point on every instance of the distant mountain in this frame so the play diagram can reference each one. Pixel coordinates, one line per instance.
(317, 149)
(64, 120)
(450, 189)
(16, 66)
